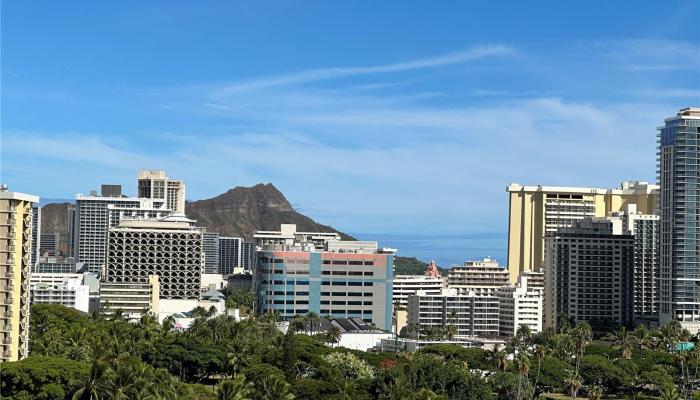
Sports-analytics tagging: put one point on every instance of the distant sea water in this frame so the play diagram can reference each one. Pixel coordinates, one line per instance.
(445, 249)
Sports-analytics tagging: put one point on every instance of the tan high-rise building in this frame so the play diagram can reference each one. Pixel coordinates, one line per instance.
(157, 186)
(15, 257)
(537, 210)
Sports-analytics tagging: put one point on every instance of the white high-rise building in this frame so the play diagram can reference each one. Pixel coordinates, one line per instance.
(155, 185)
(646, 231)
(678, 174)
(481, 277)
(519, 305)
(472, 314)
(169, 248)
(406, 285)
(95, 214)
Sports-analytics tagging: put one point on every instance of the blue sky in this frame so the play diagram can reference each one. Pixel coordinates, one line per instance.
(383, 118)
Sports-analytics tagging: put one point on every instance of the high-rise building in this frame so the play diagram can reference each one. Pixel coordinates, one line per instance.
(94, 215)
(519, 305)
(155, 185)
(645, 228)
(169, 247)
(589, 273)
(480, 276)
(342, 279)
(538, 210)
(15, 257)
(230, 253)
(48, 244)
(36, 233)
(679, 176)
(210, 245)
(471, 314)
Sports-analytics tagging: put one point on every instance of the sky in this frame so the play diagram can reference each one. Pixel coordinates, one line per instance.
(402, 121)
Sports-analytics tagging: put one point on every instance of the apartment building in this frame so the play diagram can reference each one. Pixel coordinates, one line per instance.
(479, 276)
(589, 275)
(519, 305)
(679, 176)
(472, 314)
(16, 216)
(168, 247)
(535, 211)
(295, 276)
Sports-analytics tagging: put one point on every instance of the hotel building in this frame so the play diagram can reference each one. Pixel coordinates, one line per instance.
(169, 247)
(589, 274)
(535, 211)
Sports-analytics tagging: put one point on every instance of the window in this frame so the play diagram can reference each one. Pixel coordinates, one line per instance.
(369, 283)
(369, 262)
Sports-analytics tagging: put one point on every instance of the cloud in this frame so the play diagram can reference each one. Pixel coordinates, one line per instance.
(321, 74)
(653, 54)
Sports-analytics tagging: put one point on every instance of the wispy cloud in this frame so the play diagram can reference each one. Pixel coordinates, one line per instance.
(321, 74)
(653, 54)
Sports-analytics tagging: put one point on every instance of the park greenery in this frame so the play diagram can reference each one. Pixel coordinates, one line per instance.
(79, 356)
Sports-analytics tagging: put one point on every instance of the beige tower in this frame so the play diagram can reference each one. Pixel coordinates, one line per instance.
(15, 256)
(537, 210)
(157, 186)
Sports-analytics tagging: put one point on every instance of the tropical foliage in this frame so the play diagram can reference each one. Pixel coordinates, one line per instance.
(79, 356)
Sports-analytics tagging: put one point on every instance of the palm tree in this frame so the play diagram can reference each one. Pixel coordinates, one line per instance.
(524, 333)
(499, 359)
(563, 323)
(451, 331)
(311, 319)
(668, 335)
(581, 335)
(622, 340)
(522, 362)
(274, 387)
(641, 336)
(539, 354)
(93, 386)
(234, 389)
(573, 382)
(333, 335)
(595, 392)
(670, 393)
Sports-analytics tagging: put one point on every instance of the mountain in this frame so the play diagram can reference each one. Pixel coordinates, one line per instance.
(239, 212)
(243, 210)
(54, 219)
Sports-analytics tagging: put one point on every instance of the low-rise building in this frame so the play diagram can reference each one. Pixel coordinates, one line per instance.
(133, 299)
(65, 289)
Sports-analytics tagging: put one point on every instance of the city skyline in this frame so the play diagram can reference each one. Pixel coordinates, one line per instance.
(369, 122)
